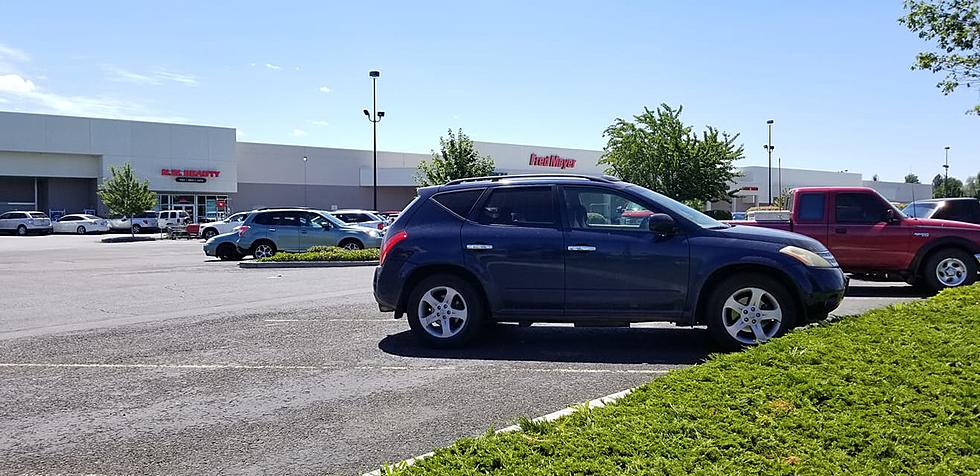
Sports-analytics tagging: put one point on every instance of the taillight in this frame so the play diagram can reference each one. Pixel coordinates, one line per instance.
(389, 242)
(241, 230)
(381, 226)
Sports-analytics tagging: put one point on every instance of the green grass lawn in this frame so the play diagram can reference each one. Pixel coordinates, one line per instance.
(325, 253)
(892, 391)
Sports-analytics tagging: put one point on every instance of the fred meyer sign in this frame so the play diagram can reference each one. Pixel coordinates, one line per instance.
(551, 161)
(190, 173)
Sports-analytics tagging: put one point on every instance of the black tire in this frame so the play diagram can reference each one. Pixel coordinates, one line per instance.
(228, 252)
(774, 296)
(259, 246)
(351, 244)
(470, 300)
(209, 233)
(21, 230)
(137, 229)
(960, 266)
(80, 230)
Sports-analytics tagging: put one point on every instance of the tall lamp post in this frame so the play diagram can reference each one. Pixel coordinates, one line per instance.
(375, 118)
(305, 201)
(946, 180)
(769, 147)
(780, 178)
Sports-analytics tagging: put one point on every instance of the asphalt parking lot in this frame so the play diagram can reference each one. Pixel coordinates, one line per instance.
(152, 358)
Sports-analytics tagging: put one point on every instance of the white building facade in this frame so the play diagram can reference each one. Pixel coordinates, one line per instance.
(55, 163)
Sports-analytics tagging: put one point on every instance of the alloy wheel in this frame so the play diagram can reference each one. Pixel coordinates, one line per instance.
(442, 312)
(80, 230)
(951, 272)
(751, 315)
(263, 251)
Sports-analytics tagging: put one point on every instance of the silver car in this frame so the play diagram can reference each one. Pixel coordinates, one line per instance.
(23, 223)
(80, 224)
(266, 232)
(364, 218)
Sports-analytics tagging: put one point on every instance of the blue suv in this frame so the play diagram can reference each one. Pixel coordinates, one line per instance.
(593, 251)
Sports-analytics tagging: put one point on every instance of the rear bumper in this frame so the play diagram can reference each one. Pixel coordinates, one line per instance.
(386, 290)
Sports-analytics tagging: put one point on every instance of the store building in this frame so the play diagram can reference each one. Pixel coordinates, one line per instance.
(55, 163)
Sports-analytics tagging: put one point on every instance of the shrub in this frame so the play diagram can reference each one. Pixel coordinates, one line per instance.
(326, 253)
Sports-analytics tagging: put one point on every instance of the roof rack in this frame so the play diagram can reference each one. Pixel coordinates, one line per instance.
(497, 178)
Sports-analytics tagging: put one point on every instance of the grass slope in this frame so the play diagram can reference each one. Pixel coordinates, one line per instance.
(893, 391)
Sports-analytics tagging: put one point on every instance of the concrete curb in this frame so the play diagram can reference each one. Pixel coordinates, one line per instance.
(597, 403)
(305, 264)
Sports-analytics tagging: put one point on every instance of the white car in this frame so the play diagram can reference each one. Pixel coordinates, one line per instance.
(145, 221)
(23, 223)
(80, 224)
(170, 218)
(220, 227)
(362, 218)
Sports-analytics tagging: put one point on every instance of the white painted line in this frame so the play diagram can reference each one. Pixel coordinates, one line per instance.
(597, 403)
(338, 366)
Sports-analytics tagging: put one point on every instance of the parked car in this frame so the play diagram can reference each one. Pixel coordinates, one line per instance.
(365, 218)
(80, 224)
(871, 238)
(146, 221)
(963, 209)
(390, 215)
(266, 232)
(24, 222)
(170, 218)
(738, 215)
(220, 227)
(224, 246)
(570, 248)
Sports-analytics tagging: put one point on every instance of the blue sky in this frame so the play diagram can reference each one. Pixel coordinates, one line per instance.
(833, 75)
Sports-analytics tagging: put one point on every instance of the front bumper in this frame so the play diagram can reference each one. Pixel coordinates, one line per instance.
(827, 289)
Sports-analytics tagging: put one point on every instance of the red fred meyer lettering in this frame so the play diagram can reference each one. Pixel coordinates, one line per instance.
(551, 161)
(190, 173)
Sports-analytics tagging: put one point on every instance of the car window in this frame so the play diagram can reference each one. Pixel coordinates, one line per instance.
(6, 216)
(459, 202)
(959, 210)
(289, 218)
(920, 210)
(38, 215)
(238, 217)
(523, 206)
(811, 206)
(595, 209)
(70, 218)
(859, 208)
(317, 219)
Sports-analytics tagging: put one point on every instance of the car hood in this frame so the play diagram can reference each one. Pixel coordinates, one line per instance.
(755, 233)
(932, 222)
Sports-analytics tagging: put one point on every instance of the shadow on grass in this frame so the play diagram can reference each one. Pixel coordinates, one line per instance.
(568, 344)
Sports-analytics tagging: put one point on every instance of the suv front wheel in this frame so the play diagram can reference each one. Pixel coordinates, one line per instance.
(445, 311)
(749, 309)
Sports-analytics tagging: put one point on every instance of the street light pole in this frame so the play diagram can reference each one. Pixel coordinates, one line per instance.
(946, 180)
(769, 147)
(375, 118)
(305, 200)
(780, 179)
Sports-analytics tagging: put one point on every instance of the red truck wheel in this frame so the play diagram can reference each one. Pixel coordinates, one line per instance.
(949, 268)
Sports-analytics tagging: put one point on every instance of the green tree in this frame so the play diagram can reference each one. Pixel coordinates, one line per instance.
(911, 178)
(971, 186)
(659, 152)
(942, 188)
(954, 27)
(456, 159)
(126, 195)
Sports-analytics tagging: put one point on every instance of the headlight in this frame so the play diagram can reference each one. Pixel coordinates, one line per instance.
(374, 234)
(809, 258)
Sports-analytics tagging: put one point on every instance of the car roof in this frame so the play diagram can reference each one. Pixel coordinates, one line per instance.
(526, 179)
(834, 189)
(352, 210)
(950, 199)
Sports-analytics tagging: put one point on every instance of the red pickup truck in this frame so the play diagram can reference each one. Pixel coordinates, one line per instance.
(869, 236)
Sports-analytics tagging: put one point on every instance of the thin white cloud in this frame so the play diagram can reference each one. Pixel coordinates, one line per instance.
(320, 123)
(297, 68)
(298, 133)
(23, 90)
(13, 54)
(324, 89)
(155, 78)
(273, 66)
(4, 101)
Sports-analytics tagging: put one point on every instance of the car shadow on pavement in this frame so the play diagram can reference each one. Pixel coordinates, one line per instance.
(886, 291)
(568, 344)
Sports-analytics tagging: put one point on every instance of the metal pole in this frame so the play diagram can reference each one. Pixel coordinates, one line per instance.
(306, 185)
(374, 92)
(781, 178)
(769, 149)
(946, 180)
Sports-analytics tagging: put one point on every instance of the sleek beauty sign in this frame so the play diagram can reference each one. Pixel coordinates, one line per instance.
(190, 173)
(553, 160)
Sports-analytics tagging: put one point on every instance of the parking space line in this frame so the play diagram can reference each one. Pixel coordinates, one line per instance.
(563, 370)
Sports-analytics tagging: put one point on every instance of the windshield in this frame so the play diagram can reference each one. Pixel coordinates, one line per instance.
(678, 208)
(332, 219)
(920, 210)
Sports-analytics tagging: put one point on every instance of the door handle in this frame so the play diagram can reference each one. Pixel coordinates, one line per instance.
(840, 230)
(581, 248)
(272, 229)
(479, 246)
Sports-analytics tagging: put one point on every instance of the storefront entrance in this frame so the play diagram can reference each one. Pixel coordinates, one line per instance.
(201, 208)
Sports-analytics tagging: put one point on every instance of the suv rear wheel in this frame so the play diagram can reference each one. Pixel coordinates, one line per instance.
(749, 309)
(351, 244)
(263, 249)
(80, 230)
(949, 268)
(22, 230)
(137, 229)
(445, 311)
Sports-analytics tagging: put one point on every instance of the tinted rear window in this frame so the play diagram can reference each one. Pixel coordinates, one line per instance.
(811, 206)
(459, 202)
(524, 206)
(38, 215)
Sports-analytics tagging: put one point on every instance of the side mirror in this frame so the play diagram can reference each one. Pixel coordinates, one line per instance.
(890, 216)
(662, 224)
